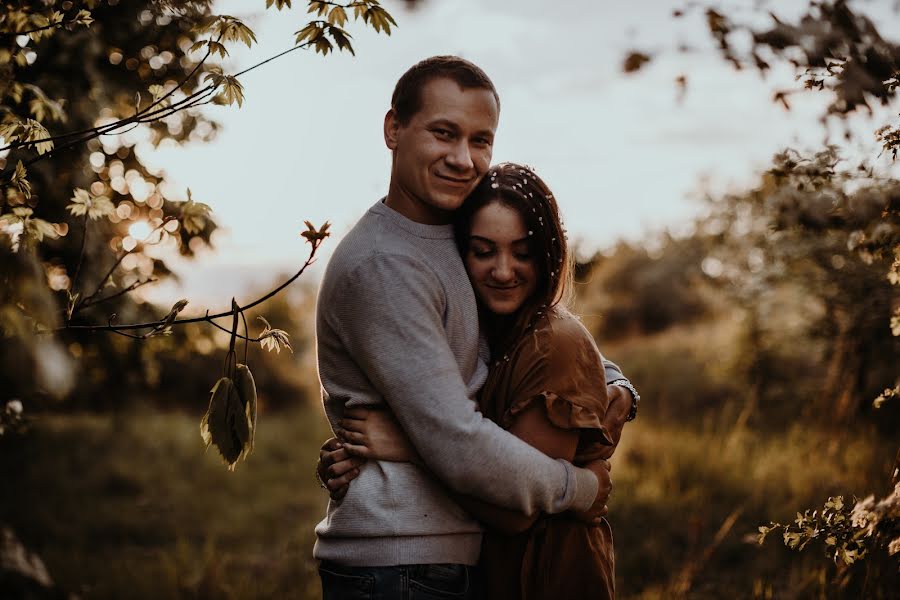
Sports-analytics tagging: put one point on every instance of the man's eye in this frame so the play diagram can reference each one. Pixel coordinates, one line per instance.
(482, 141)
(444, 133)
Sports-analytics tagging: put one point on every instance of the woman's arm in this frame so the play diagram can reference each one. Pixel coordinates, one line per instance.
(532, 426)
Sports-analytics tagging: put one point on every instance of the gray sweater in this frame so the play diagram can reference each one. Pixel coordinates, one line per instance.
(396, 323)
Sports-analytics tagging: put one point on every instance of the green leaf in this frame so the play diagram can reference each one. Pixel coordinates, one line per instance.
(84, 18)
(314, 236)
(94, 206)
(35, 131)
(341, 38)
(225, 424)
(20, 181)
(273, 339)
(323, 46)
(231, 29)
(311, 32)
(42, 107)
(217, 48)
(39, 228)
(337, 16)
(246, 387)
(194, 215)
(379, 19)
(197, 45)
(318, 7)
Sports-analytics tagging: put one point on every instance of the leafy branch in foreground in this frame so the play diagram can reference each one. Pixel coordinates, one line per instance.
(144, 67)
(230, 421)
(161, 326)
(848, 532)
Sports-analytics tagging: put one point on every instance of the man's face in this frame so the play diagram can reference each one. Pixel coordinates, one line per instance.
(442, 153)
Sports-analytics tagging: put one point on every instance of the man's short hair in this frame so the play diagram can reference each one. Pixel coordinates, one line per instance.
(407, 98)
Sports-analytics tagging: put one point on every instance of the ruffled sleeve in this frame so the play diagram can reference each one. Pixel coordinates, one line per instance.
(559, 365)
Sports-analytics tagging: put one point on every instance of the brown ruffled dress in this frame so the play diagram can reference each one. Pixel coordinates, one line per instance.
(556, 363)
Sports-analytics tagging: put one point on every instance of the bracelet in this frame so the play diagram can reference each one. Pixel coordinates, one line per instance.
(635, 397)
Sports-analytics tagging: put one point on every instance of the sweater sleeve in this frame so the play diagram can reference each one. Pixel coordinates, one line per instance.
(390, 318)
(612, 371)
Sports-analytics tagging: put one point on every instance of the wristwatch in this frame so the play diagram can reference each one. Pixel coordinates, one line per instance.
(635, 397)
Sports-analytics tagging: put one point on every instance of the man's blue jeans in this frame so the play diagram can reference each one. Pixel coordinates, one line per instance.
(404, 582)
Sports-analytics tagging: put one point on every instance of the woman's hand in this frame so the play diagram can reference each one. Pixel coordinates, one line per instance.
(336, 468)
(375, 434)
(615, 417)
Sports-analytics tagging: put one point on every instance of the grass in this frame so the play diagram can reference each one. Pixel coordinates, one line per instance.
(129, 506)
(677, 488)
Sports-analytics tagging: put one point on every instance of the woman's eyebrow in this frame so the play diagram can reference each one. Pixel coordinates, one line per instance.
(484, 240)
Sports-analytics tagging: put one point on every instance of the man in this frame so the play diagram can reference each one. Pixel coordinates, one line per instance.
(396, 324)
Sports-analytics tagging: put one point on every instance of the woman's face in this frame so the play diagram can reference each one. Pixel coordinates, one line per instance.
(499, 261)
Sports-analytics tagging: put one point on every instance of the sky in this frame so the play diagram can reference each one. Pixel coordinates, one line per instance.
(625, 155)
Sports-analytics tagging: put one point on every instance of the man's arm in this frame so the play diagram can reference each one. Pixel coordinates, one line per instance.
(389, 315)
(368, 434)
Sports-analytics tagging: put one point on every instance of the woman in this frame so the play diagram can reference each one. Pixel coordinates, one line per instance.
(546, 385)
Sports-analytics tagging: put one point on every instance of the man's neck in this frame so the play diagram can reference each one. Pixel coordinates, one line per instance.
(414, 208)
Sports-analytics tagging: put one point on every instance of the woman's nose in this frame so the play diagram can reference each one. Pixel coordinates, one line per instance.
(502, 270)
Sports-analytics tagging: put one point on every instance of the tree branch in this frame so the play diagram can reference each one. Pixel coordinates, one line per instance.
(87, 300)
(84, 229)
(98, 130)
(138, 117)
(50, 26)
(86, 303)
(206, 318)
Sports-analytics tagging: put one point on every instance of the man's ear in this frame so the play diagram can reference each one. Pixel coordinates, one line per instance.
(391, 129)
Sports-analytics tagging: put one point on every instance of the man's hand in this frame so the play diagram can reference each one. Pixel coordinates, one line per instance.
(598, 509)
(336, 468)
(614, 419)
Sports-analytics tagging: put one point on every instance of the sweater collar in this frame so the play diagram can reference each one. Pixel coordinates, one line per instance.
(432, 232)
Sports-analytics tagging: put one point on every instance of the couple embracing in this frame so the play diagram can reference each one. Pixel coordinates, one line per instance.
(473, 413)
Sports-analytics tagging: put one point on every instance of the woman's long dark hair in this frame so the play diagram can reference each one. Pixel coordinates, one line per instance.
(519, 188)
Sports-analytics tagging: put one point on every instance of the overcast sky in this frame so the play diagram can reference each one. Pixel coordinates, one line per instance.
(624, 156)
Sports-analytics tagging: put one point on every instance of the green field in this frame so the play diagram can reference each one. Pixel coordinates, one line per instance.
(129, 506)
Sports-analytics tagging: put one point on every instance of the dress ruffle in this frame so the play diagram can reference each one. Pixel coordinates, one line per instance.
(565, 415)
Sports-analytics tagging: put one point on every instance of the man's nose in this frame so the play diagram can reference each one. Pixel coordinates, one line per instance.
(460, 157)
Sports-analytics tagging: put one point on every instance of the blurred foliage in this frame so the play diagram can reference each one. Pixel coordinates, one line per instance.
(91, 74)
(817, 242)
(85, 89)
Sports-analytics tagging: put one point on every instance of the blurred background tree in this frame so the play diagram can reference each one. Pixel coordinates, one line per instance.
(759, 337)
(84, 222)
(810, 261)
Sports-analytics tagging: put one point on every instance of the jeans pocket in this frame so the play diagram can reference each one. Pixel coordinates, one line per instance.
(439, 581)
(342, 583)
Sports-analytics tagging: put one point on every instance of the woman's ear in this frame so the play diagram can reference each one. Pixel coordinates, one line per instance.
(391, 129)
